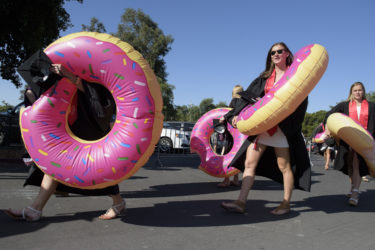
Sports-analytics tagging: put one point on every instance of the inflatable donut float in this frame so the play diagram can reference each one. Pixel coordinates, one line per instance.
(211, 163)
(343, 127)
(287, 94)
(103, 59)
(318, 138)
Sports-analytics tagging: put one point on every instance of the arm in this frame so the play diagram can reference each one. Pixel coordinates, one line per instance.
(62, 71)
(256, 88)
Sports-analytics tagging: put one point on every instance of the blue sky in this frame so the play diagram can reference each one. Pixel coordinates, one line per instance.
(221, 43)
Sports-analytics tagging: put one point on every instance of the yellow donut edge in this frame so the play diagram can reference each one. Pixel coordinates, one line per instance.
(343, 127)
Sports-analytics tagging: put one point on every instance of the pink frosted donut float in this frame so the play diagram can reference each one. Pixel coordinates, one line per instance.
(106, 60)
(211, 163)
(287, 94)
(319, 138)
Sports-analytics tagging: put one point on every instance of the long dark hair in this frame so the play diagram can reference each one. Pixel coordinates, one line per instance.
(270, 66)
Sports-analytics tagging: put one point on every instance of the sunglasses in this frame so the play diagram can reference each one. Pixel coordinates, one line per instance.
(279, 51)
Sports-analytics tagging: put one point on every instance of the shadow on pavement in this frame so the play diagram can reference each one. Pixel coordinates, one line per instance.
(196, 188)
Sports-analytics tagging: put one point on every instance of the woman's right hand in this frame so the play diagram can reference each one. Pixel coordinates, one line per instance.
(234, 121)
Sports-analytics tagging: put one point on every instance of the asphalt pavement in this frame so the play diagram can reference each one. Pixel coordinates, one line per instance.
(177, 206)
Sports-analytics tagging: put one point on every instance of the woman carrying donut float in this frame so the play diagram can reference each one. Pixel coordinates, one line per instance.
(93, 164)
(211, 162)
(271, 112)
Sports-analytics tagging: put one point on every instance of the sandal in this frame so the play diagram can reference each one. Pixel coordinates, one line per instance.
(114, 212)
(27, 214)
(283, 208)
(354, 201)
(234, 206)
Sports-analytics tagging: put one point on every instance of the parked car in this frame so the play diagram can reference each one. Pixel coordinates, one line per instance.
(175, 135)
(10, 133)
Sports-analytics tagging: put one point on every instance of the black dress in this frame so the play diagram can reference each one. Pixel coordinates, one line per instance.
(95, 108)
(341, 161)
(292, 129)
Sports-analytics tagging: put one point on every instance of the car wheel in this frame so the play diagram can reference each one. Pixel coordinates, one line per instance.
(165, 144)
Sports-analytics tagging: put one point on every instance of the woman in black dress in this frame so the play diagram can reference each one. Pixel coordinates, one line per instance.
(280, 153)
(95, 108)
(347, 160)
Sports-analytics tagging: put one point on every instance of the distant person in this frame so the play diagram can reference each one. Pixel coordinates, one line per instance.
(235, 98)
(86, 106)
(280, 153)
(347, 160)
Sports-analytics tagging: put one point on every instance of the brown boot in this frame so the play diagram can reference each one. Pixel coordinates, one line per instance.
(234, 206)
(283, 208)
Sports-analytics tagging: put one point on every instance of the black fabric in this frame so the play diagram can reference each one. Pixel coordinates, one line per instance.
(95, 108)
(343, 153)
(292, 128)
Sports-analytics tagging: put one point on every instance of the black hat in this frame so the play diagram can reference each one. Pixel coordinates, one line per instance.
(36, 72)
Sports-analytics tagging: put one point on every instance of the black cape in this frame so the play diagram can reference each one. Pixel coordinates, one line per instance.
(341, 161)
(292, 128)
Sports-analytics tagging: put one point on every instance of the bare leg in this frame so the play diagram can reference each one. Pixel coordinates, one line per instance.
(251, 162)
(252, 158)
(34, 212)
(327, 156)
(118, 208)
(47, 188)
(283, 161)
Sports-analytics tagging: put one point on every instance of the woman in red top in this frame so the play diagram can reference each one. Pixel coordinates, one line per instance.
(280, 153)
(347, 160)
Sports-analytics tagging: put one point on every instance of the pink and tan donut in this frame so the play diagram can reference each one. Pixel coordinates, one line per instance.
(103, 59)
(287, 94)
(319, 138)
(357, 137)
(211, 163)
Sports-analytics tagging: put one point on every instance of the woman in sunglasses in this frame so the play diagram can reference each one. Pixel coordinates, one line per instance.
(280, 153)
(347, 160)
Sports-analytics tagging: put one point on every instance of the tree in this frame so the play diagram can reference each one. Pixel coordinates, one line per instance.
(206, 105)
(167, 94)
(221, 104)
(371, 96)
(95, 26)
(311, 121)
(139, 30)
(28, 25)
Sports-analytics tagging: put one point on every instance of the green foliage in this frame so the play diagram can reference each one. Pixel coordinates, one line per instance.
(168, 98)
(139, 30)
(221, 104)
(5, 106)
(26, 26)
(370, 96)
(311, 121)
(95, 26)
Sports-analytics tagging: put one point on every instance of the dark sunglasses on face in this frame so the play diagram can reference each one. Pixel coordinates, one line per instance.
(279, 51)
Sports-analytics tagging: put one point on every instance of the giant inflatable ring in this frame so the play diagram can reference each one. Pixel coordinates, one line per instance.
(211, 163)
(287, 94)
(319, 138)
(343, 127)
(106, 60)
